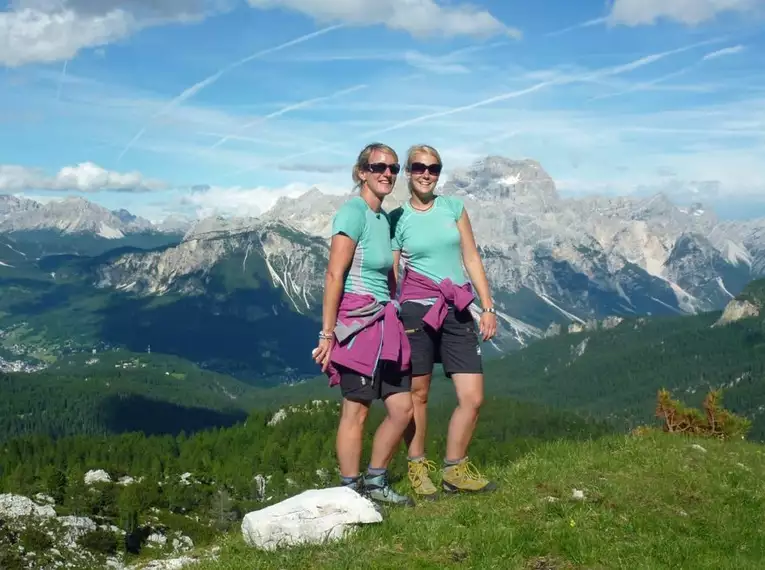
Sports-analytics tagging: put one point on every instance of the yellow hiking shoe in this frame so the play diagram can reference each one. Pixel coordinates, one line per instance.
(465, 478)
(420, 480)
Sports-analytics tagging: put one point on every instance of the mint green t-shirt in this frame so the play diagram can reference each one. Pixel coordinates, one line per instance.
(373, 259)
(429, 241)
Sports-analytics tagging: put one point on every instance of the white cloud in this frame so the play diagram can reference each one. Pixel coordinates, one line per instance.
(689, 12)
(238, 201)
(85, 177)
(28, 36)
(417, 17)
(45, 31)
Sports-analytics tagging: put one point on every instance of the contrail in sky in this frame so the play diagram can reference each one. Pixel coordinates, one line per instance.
(566, 79)
(189, 92)
(605, 72)
(288, 108)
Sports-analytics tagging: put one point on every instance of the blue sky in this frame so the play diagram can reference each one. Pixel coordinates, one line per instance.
(220, 106)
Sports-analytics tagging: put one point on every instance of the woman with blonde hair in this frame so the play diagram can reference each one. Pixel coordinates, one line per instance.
(433, 235)
(362, 345)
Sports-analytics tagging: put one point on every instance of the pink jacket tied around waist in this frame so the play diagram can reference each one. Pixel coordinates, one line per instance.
(416, 286)
(366, 332)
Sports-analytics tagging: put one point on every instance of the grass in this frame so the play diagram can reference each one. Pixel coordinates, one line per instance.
(650, 501)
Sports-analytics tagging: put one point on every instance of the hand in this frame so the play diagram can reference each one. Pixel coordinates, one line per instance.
(488, 325)
(321, 353)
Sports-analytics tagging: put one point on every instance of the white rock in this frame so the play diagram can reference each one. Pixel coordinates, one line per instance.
(182, 543)
(97, 476)
(157, 539)
(261, 482)
(114, 564)
(314, 516)
(75, 528)
(169, 564)
(577, 494)
(44, 499)
(16, 506)
(278, 417)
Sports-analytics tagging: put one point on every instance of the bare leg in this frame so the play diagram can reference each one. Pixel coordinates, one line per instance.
(416, 431)
(349, 436)
(388, 435)
(469, 389)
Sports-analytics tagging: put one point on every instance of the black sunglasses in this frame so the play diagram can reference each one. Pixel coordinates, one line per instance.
(420, 168)
(381, 167)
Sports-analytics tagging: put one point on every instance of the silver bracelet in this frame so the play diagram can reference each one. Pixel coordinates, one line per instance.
(325, 336)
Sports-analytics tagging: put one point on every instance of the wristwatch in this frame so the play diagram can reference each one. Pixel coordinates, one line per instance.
(490, 310)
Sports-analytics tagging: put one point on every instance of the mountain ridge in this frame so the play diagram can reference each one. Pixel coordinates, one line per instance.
(550, 260)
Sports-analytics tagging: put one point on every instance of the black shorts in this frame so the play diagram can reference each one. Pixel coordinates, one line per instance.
(388, 380)
(455, 346)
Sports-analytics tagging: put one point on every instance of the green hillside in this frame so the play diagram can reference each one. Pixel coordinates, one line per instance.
(648, 502)
(293, 454)
(616, 373)
(120, 391)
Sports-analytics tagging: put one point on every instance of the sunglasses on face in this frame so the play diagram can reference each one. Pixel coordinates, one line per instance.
(420, 168)
(381, 167)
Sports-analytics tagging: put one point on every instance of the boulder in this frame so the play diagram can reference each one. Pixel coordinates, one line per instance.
(97, 476)
(314, 516)
(17, 506)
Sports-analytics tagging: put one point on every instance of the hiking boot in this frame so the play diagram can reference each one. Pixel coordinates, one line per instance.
(420, 480)
(356, 484)
(378, 489)
(465, 478)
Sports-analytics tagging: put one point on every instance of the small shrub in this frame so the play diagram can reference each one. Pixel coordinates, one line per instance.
(35, 540)
(199, 532)
(714, 421)
(99, 541)
(11, 561)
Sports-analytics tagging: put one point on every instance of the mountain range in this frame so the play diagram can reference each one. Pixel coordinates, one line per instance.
(243, 295)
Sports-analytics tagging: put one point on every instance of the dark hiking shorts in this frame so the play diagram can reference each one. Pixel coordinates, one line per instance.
(455, 346)
(388, 379)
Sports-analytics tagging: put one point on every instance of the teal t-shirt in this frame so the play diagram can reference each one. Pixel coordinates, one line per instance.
(429, 241)
(373, 259)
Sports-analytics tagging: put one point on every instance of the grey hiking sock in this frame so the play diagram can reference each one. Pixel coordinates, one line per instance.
(450, 462)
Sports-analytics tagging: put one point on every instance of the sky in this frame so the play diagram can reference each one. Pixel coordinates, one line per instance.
(219, 107)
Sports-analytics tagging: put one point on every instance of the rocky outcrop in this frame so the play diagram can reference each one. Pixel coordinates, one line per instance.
(737, 310)
(17, 506)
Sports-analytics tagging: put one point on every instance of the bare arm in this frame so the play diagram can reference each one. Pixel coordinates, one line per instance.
(472, 260)
(396, 261)
(474, 266)
(341, 253)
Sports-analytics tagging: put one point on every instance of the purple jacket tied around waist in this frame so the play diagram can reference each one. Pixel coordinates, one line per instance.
(366, 332)
(416, 286)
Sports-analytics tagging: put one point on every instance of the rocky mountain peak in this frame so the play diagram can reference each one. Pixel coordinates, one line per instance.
(496, 178)
(218, 226)
(10, 204)
(72, 215)
(124, 215)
